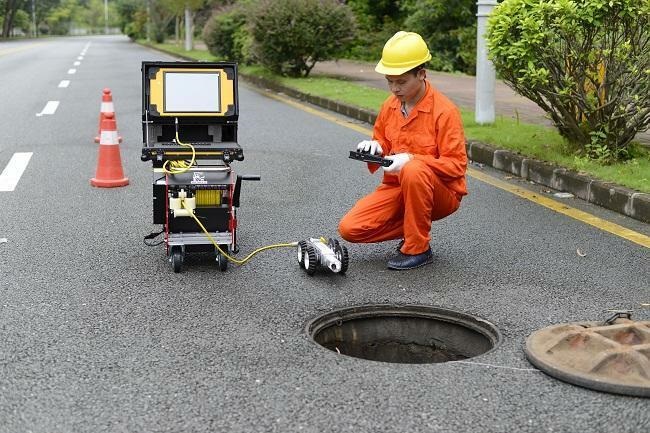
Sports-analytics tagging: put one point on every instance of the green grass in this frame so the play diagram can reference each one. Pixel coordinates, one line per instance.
(180, 50)
(546, 144)
(531, 140)
(340, 90)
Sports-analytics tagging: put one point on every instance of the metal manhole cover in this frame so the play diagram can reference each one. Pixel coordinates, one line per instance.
(611, 357)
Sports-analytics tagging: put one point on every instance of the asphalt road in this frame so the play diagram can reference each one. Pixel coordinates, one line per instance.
(97, 334)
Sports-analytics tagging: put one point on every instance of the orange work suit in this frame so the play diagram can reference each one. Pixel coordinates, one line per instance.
(428, 187)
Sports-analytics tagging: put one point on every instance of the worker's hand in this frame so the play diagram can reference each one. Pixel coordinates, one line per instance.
(399, 160)
(370, 146)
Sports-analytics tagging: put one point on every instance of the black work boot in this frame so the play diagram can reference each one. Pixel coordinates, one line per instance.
(402, 261)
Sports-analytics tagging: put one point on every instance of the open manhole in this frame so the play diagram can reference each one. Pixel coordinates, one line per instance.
(611, 356)
(410, 334)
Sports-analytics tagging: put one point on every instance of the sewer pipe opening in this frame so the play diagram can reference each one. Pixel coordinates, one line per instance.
(411, 334)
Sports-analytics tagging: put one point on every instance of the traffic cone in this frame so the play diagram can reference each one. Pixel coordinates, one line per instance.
(109, 172)
(105, 108)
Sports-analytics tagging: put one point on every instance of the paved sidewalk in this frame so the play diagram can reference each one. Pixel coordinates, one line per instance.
(459, 88)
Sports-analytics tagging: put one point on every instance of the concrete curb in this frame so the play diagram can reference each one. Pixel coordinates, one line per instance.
(608, 195)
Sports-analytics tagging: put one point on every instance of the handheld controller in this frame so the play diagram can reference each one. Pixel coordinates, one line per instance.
(366, 157)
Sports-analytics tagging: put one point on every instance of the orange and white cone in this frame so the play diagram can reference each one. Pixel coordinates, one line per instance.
(109, 172)
(105, 108)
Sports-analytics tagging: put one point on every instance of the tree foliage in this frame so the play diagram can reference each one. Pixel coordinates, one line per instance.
(291, 36)
(585, 62)
(8, 9)
(60, 18)
(226, 33)
(132, 18)
(377, 21)
(22, 21)
(449, 28)
(55, 16)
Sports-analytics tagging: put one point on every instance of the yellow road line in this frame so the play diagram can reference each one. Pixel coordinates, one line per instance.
(318, 113)
(18, 49)
(587, 218)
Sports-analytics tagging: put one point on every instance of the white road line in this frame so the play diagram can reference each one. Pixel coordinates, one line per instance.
(77, 63)
(80, 58)
(64, 83)
(50, 108)
(14, 170)
(72, 71)
(83, 52)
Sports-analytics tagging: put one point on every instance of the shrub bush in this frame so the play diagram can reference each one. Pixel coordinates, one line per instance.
(226, 33)
(369, 42)
(291, 36)
(137, 29)
(377, 21)
(585, 62)
(449, 28)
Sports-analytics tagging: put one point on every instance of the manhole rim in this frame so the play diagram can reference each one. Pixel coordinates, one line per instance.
(477, 324)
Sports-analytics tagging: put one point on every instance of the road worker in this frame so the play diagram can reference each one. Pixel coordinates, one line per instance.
(421, 132)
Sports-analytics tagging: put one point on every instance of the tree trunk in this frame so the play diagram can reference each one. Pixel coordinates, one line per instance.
(10, 11)
(176, 30)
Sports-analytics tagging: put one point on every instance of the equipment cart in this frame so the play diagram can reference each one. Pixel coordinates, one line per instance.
(189, 124)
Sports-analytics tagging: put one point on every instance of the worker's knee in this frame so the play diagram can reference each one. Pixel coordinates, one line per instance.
(414, 171)
(352, 229)
(347, 229)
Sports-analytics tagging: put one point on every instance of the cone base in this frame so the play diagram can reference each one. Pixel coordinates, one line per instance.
(109, 183)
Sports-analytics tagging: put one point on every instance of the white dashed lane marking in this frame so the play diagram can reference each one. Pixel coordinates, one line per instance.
(77, 63)
(64, 83)
(72, 71)
(14, 170)
(50, 108)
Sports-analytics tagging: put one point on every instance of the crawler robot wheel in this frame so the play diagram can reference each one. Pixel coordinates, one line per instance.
(302, 247)
(222, 261)
(176, 258)
(332, 243)
(310, 261)
(342, 254)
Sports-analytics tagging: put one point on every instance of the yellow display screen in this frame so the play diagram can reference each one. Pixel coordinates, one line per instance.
(191, 92)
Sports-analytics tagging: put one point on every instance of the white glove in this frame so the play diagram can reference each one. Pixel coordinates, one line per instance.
(370, 146)
(399, 160)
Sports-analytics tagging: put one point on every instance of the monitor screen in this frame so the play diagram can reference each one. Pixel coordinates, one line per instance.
(192, 92)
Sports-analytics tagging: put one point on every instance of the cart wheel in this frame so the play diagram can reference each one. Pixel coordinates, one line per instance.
(302, 247)
(310, 262)
(222, 261)
(176, 258)
(342, 254)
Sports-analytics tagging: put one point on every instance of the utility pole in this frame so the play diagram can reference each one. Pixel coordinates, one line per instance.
(188, 29)
(148, 21)
(485, 73)
(34, 29)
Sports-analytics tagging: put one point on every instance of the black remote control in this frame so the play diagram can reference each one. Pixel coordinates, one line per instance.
(366, 157)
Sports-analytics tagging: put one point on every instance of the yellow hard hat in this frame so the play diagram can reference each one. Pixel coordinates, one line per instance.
(403, 52)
